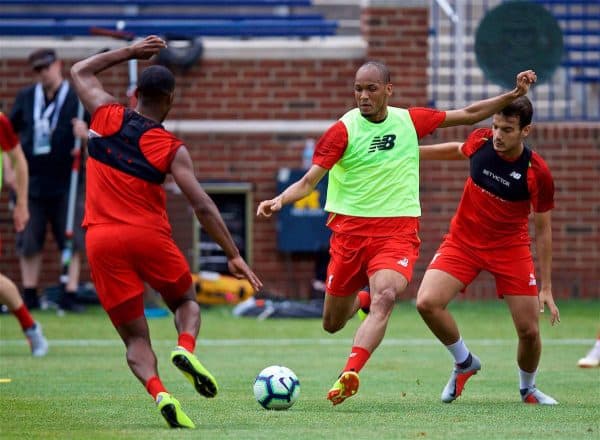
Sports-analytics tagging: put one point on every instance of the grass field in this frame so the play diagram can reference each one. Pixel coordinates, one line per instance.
(83, 389)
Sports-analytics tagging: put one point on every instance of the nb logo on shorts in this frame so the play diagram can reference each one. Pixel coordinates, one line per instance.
(403, 262)
(532, 281)
(382, 143)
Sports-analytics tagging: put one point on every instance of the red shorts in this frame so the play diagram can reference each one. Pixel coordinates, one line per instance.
(123, 257)
(512, 267)
(355, 258)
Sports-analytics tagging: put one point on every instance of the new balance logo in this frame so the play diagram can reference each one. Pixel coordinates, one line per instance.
(515, 175)
(382, 143)
(403, 262)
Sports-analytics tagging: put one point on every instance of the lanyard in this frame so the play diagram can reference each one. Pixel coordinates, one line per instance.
(55, 106)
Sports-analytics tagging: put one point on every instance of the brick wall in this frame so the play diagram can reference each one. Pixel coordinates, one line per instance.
(316, 89)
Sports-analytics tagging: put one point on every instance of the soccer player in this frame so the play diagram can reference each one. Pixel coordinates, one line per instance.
(372, 156)
(490, 232)
(128, 236)
(9, 294)
(592, 359)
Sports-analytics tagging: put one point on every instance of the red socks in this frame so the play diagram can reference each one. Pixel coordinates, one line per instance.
(155, 386)
(24, 317)
(187, 341)
(357, 359)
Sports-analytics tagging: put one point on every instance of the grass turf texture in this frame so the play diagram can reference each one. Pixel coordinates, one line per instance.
(83, 389)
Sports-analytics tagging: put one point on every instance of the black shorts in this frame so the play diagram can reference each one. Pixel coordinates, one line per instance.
(53, 211)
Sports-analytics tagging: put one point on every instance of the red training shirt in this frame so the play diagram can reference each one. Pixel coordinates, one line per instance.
(8, 138)
(484, 220)
(114, 197)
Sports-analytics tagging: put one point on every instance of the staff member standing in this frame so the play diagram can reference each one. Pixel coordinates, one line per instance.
(45, 117)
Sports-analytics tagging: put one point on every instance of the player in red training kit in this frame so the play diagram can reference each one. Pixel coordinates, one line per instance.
(128, 237)
(490, 232)
(9, 294)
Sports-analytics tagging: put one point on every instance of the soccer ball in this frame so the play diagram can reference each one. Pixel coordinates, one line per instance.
(276, 387)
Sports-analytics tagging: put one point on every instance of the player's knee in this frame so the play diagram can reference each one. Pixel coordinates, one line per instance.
(331, 325)
(426, 304)
(382, 302)
(528, 332)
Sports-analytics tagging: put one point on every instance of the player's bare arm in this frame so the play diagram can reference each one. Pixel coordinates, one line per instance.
(481, 110)
(543, 244)
(443, 151)
(208, 215)
(294, 192)
(21, 212)
(83, 73)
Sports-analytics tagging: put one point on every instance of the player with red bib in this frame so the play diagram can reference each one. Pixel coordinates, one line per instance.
(490, 231)
(128, 237)
(9, 293)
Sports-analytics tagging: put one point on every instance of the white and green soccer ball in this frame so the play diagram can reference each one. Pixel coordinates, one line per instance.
(276, 387)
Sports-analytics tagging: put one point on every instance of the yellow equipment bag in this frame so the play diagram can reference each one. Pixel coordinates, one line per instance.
(213, 288)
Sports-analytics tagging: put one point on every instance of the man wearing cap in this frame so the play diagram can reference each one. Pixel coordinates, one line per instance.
(45, 117)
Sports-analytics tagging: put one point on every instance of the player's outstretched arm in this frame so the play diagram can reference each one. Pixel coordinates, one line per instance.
(443, 151)
(83, 73)
(481, 110)
(208, 215)
(543, 246)
(292, 193)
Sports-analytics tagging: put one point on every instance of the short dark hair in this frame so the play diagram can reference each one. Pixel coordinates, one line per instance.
(156, 82)
(520, 107)
(381, 67)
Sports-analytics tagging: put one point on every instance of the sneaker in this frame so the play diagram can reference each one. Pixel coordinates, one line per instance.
(535, 396)
(192, 369)
(346, 386)
(37, 341)
(591, 360)
(68, 303)
(171, 410)
(458, 379)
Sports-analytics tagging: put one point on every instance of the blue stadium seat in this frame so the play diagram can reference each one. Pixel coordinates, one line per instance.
(61, 21)
(578, 19)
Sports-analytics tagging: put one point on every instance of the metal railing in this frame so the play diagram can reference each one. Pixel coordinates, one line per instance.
(455, 78)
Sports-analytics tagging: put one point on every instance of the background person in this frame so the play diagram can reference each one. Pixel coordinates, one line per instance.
(45, 117)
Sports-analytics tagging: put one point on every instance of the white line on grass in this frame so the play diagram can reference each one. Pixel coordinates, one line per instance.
(285, 342)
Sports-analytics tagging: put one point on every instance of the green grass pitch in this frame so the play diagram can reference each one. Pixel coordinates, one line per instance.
(83, 389)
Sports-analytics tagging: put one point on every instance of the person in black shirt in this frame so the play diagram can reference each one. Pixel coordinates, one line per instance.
(45, 117)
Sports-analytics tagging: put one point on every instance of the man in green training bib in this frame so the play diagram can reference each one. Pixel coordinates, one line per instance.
(372, 155)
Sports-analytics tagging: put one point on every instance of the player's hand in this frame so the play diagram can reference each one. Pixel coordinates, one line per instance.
(545, 298)
(146, 48)
(266, 208)
(524, 81)
(20, 216)
(239, 269)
